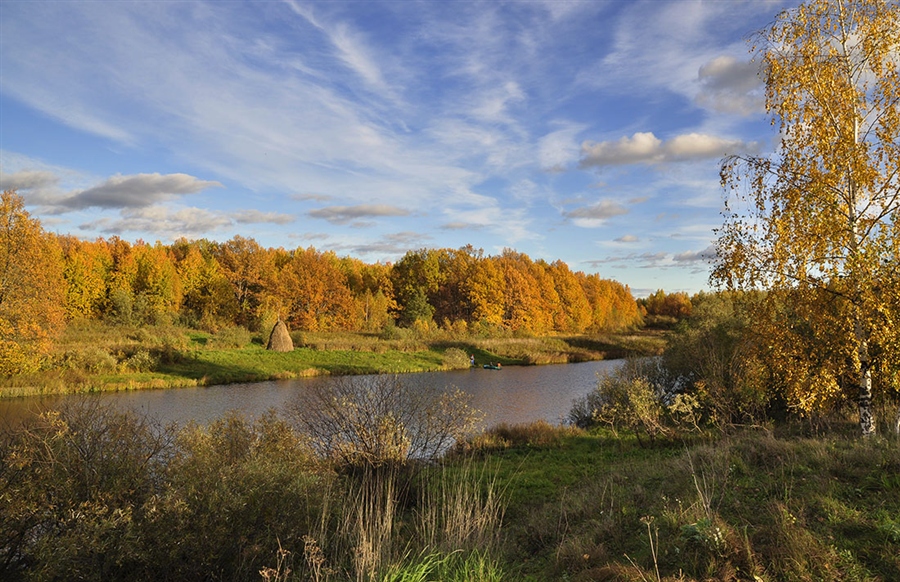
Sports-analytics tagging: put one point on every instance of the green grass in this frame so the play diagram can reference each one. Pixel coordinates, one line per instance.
(91, 356)
(591, 507)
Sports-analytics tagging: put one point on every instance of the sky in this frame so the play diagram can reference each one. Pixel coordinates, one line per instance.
(587, 131)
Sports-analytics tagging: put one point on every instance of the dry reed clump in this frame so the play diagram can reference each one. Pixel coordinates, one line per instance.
(280, 339)
(461, 510)
(378, 518)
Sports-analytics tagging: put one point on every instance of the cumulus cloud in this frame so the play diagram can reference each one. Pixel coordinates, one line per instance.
(136, 191)
(628, 238)
(643, 260)
(310, 197)
(646, 148)
(346, 214)
(259, 217)
(731, 86)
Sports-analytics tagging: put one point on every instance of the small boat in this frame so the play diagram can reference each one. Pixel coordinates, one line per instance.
(493, 366)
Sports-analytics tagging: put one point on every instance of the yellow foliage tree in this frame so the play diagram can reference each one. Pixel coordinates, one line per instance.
(32, 300)
(815, 223)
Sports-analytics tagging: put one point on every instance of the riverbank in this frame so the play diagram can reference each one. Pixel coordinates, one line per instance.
(95, 494)
(92, 357)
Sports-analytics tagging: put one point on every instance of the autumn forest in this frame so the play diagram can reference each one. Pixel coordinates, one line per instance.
(211, 285)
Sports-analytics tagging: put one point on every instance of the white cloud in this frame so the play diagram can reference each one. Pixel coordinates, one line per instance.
(558, 150)
(28, 180)
(702, 256)
(628, 238)
(646, 148)
(352, 48)
(395, 244)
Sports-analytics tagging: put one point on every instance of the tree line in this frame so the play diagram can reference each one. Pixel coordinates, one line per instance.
(48, 279)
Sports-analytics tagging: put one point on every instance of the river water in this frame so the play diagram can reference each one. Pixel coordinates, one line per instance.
(515, 394)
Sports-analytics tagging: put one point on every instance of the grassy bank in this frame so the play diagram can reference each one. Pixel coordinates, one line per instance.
(247, 501)
(92, 357)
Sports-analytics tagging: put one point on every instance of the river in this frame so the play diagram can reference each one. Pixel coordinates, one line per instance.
(515, 394)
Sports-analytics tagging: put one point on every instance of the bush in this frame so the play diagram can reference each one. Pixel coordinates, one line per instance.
(714, 357)
(94, 360)
(456, 359)
(378, 420)
(141, 361)
(73, 480)
(230, 338)
(626, 399)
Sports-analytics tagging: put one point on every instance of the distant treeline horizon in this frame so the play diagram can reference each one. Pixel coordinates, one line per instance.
(212, 285)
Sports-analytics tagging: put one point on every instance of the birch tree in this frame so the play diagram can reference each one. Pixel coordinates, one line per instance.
(815, 224)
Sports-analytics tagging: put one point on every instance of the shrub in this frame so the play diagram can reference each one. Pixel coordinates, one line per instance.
(141, 361)
(375, 420)
(626, 399)
(94, 360)
(230, 337)
(456, 359)
(73, 480)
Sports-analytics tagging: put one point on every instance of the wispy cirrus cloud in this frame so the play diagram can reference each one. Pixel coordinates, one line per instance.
(161, 221)
(260, 217)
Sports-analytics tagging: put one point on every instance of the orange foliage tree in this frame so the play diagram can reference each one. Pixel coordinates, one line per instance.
(248, 267)
(32, 299)
(313, 291)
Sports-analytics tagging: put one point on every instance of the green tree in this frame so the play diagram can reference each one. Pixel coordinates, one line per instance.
(415, 278)
(815, 222)
(32, 289)
(156, 285)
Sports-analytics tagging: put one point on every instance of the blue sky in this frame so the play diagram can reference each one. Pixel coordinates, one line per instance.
(584, 131)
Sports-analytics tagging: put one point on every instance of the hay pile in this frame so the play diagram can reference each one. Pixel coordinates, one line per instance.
(280, 339)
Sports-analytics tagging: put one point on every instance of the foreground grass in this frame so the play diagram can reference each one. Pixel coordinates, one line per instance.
(92, 357)
(747, 506)
(242, 501)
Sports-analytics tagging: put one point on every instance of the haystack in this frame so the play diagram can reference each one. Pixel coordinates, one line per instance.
(280, 340)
